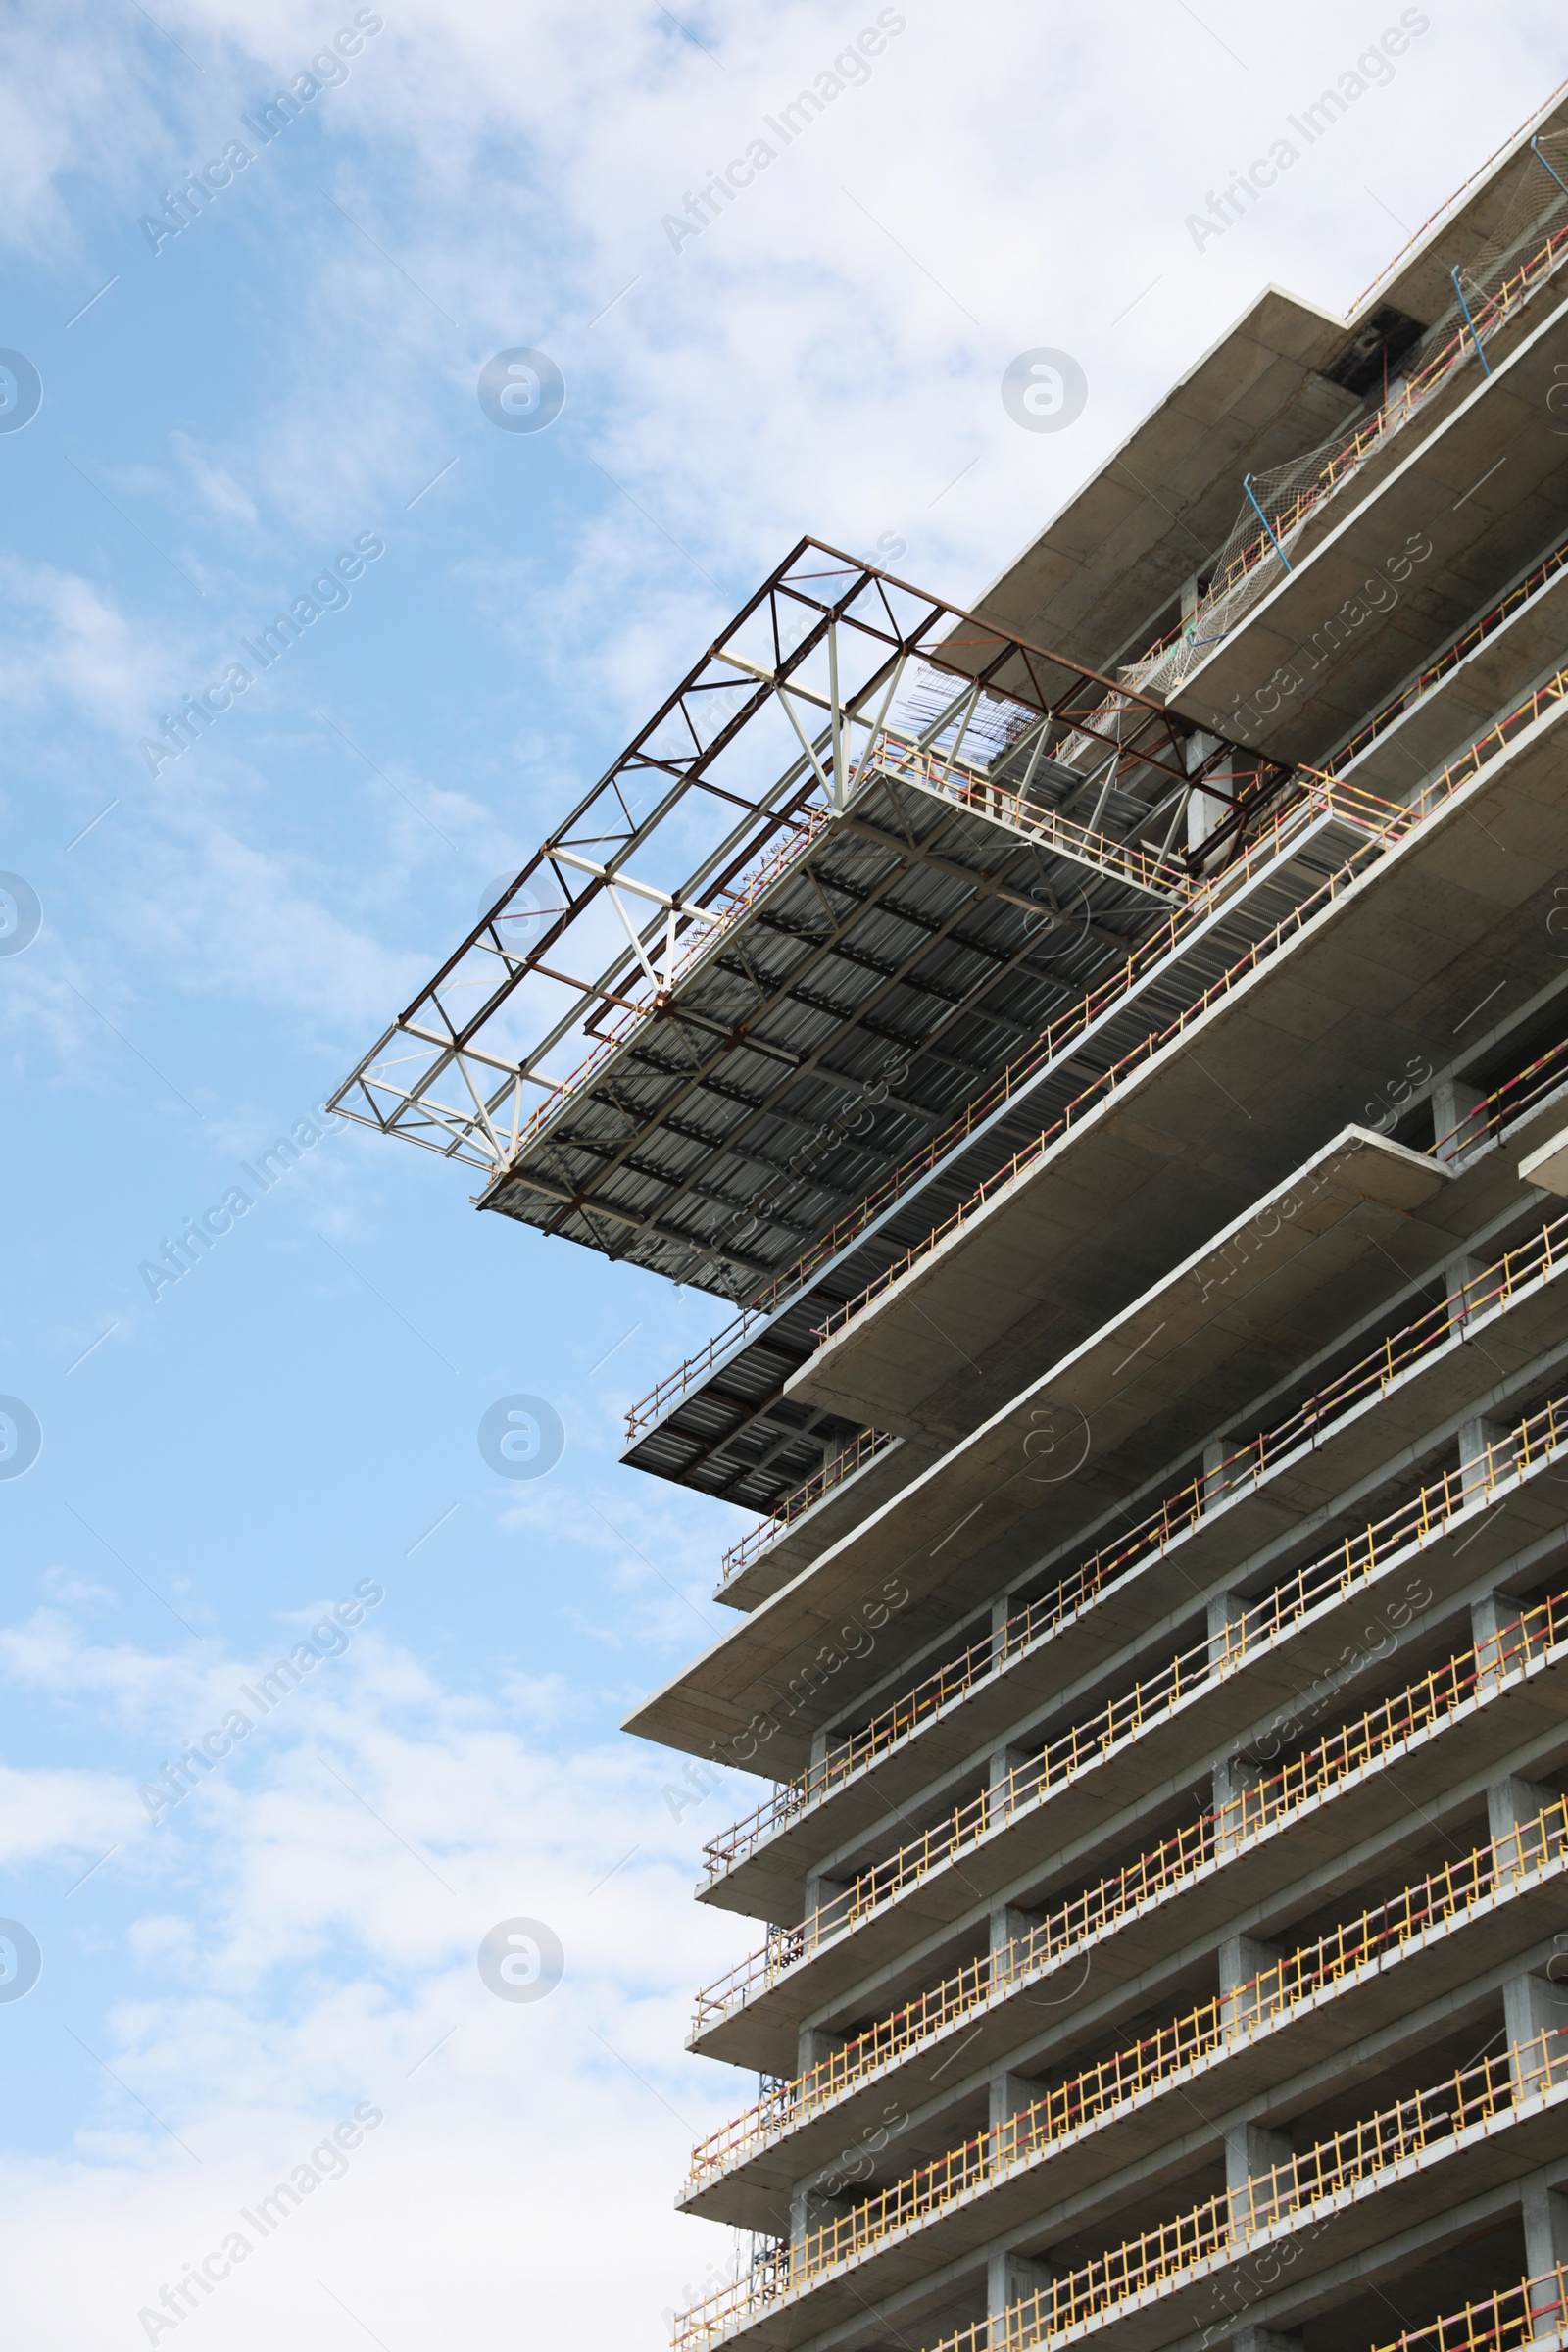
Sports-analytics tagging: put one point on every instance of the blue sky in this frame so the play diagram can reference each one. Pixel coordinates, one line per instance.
(294, 374)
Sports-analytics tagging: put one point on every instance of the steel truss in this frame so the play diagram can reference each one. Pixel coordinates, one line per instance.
(843, 835)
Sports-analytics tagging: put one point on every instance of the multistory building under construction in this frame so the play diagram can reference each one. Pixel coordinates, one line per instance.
(1110, 1050)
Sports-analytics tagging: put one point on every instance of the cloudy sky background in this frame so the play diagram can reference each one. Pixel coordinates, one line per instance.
(222, 940)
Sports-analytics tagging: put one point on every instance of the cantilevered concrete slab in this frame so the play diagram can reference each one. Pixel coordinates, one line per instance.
(763, 1667)
(1127, 2157)
(1446, 2176)
(1380, 976)
(1045, 2019)
(1104, 569)
(1447, 706)
(1282, 1516)
(1441, 1962)
(1091, 1810)
(1261, 1295)
(1477, 480)
(863, 1970)
(795, 1545)
(1494, 675)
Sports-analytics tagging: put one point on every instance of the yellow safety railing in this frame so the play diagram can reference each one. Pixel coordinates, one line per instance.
(1427, 2127)
(1518, 1274)
(866, 1448)
(1322, 796)
(1495, 740)
(1513, 2316)
(1438, 1904)
(1422, 1710)
(1327, 789)
(1167, 877)
(1452, 654)
(1325, 1581)
(1430, 2123)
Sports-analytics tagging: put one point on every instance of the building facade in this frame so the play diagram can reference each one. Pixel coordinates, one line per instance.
(1115, 1065)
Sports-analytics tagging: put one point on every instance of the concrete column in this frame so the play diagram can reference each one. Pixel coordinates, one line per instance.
(1204, 810)
(1265, 2339)
(809, 2211)
(1226, 1611)
(1232, 1779)
(1217, 1451)
(1007, 1928)
(1513, 1805)
(820, 1890)
(1545, 2213)
(1455, 1274)
(1476, 1436)
(1251, 2153)
(1009, 2095)
(1010, 2278)
(1001, 1763)
(1530, 2008)
(813, 2044)
(1495, 1648)
(1241, 1958)
(1450, 1101)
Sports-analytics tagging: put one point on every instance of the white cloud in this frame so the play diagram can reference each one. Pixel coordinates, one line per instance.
(798, 366)
(311, 1945)
(217, 485)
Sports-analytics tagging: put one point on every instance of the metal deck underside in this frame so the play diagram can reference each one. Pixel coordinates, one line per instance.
(867, 851)
(894, 964)
(730, 1432)
(674, 860)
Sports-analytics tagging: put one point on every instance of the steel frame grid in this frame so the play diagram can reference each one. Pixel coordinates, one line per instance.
(839, 637)
(914, 934)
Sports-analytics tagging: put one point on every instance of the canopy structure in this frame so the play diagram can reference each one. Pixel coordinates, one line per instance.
(865, 849)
